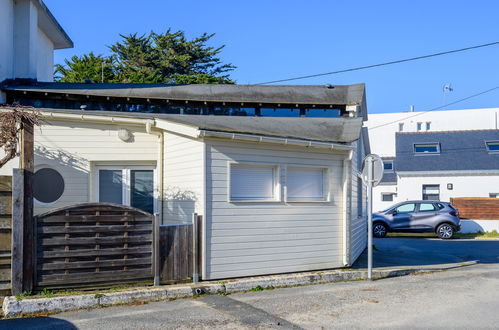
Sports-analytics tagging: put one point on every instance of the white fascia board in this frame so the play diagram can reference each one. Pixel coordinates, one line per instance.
(448, 173)
(275, 140)
(94, 118)
(181, 129)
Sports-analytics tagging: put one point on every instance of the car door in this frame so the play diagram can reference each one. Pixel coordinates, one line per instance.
(424, 215)
(402, 215)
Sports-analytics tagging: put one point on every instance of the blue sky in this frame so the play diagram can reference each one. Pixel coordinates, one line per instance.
(269, 40)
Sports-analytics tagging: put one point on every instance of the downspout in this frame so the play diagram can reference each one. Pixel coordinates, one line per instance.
(161, 158)
(347, 172)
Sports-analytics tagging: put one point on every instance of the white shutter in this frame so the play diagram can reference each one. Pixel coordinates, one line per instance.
(252, 182)
(305, 183)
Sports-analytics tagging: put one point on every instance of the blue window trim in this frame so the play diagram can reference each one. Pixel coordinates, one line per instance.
(487, 146)
(437, 144)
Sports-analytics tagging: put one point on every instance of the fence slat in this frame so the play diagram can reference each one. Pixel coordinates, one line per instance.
(93, 245)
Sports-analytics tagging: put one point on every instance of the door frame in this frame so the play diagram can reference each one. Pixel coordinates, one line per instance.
(126, 169)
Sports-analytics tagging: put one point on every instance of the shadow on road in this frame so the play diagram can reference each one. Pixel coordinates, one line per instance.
(404, 252)
(39, 323)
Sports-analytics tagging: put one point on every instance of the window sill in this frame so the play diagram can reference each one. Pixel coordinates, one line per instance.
(307, 201)
(254, 201)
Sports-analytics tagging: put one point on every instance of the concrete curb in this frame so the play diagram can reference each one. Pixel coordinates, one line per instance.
(14, 307)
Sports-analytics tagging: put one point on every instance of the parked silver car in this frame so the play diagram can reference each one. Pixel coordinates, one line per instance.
(417, 216)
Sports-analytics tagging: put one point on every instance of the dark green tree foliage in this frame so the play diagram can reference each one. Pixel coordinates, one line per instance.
(154, 58)
(77, 69)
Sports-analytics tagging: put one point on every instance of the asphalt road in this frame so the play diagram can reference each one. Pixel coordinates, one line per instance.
(466, 298)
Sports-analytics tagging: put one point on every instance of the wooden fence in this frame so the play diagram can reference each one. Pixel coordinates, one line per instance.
(477, 208)
(177, 252)
(92, 245)
(5, 233)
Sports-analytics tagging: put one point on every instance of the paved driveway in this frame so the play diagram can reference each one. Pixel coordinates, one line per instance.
(419, 251)
(465, 298)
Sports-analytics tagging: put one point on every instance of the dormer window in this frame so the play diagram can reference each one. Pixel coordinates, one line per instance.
(388, 165)
(492, 146)
(426, 148)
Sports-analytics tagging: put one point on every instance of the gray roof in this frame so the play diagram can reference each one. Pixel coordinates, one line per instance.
(52, 28)
(459, 151)
(316, 129)
(285, 94)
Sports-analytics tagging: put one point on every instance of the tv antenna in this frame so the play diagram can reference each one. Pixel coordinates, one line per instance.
(447, 88)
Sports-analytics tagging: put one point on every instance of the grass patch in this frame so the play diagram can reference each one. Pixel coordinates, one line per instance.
(99, 295)
(46, 293)
(257, 288)
(24, 295)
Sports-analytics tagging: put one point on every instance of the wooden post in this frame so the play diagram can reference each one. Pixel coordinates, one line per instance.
(23, 227)
(17, 231)
(28, 164)
(156, 253)
(195, 263)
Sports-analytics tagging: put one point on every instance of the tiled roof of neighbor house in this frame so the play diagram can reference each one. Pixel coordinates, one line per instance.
(317, 129)
(459, 151)
(285, 94)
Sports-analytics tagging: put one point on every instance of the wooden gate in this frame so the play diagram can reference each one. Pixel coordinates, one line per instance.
(5, 233)
(93, 245)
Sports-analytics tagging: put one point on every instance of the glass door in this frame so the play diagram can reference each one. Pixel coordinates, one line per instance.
(132, 186)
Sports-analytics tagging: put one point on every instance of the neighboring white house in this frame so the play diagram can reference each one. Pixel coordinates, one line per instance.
(29, 34)
(435, 155)
(277, 194)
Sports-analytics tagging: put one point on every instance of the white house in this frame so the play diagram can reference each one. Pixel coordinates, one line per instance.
(273, 170)
(29, 34)
(436, 155)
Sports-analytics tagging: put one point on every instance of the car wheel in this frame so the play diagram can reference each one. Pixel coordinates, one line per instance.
(379, 230)
(445, 231)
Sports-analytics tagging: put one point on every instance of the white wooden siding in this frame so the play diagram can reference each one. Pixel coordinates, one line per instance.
(253, 238)
(183, 178)
(358, 223)
(73, 147)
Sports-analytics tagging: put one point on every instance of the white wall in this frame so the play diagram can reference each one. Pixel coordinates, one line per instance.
(26, 51)
(358, 221)
(73, 147)
(6, 39)
(255, 238)
(45, 60)
(378, 204)
(382, 139)
(183, 178)
(474, 226)
(410, 187)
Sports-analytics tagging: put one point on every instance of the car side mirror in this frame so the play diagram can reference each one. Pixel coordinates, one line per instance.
(394, 212)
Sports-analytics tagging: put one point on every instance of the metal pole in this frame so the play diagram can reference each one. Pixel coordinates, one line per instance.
(370, 177)
(195, 272)
(157, 274)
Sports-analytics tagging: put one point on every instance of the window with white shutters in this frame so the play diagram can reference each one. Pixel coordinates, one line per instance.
(306, 184)
(253, 182)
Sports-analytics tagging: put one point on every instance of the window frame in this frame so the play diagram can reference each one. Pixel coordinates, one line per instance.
(126, 175)
(387, 194)
(488, 148)
(325, 185)
(437, 144)
(423, 193)
(277, 182)
(388, 161)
